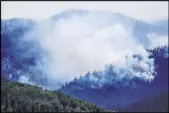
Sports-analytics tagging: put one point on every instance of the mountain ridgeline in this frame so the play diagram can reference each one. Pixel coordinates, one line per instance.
(22, 61)
(118, 94)
(22, 57)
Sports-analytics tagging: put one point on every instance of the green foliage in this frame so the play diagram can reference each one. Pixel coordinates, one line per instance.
(19, 97)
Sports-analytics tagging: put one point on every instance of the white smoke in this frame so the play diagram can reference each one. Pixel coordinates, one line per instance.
(25, 79)
(157, 40)
(78, 44)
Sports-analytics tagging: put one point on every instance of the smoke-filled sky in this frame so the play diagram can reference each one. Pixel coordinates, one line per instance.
(147, 11)
(79, 44)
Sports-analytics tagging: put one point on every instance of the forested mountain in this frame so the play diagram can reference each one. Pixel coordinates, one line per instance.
(27, 49)
(117, 94)
(19, 57)
(19, 97)
(22, 56)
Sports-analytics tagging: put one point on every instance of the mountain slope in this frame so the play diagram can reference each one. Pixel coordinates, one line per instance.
(20, 59)
(19, 97)
(158, 103)
(118, 94)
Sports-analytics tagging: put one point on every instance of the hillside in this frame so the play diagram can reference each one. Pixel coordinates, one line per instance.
(19, 97)
(118, 94)
(158, 103)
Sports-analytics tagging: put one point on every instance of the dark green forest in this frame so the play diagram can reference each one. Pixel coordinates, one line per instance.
(20, 97)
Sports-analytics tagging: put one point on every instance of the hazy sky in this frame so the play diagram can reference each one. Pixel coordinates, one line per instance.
(80, 44)
(147, 11)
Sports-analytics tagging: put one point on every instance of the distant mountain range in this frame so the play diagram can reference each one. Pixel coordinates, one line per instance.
(19, 58)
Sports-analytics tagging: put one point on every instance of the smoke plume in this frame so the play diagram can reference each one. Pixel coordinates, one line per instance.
(77, 44)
